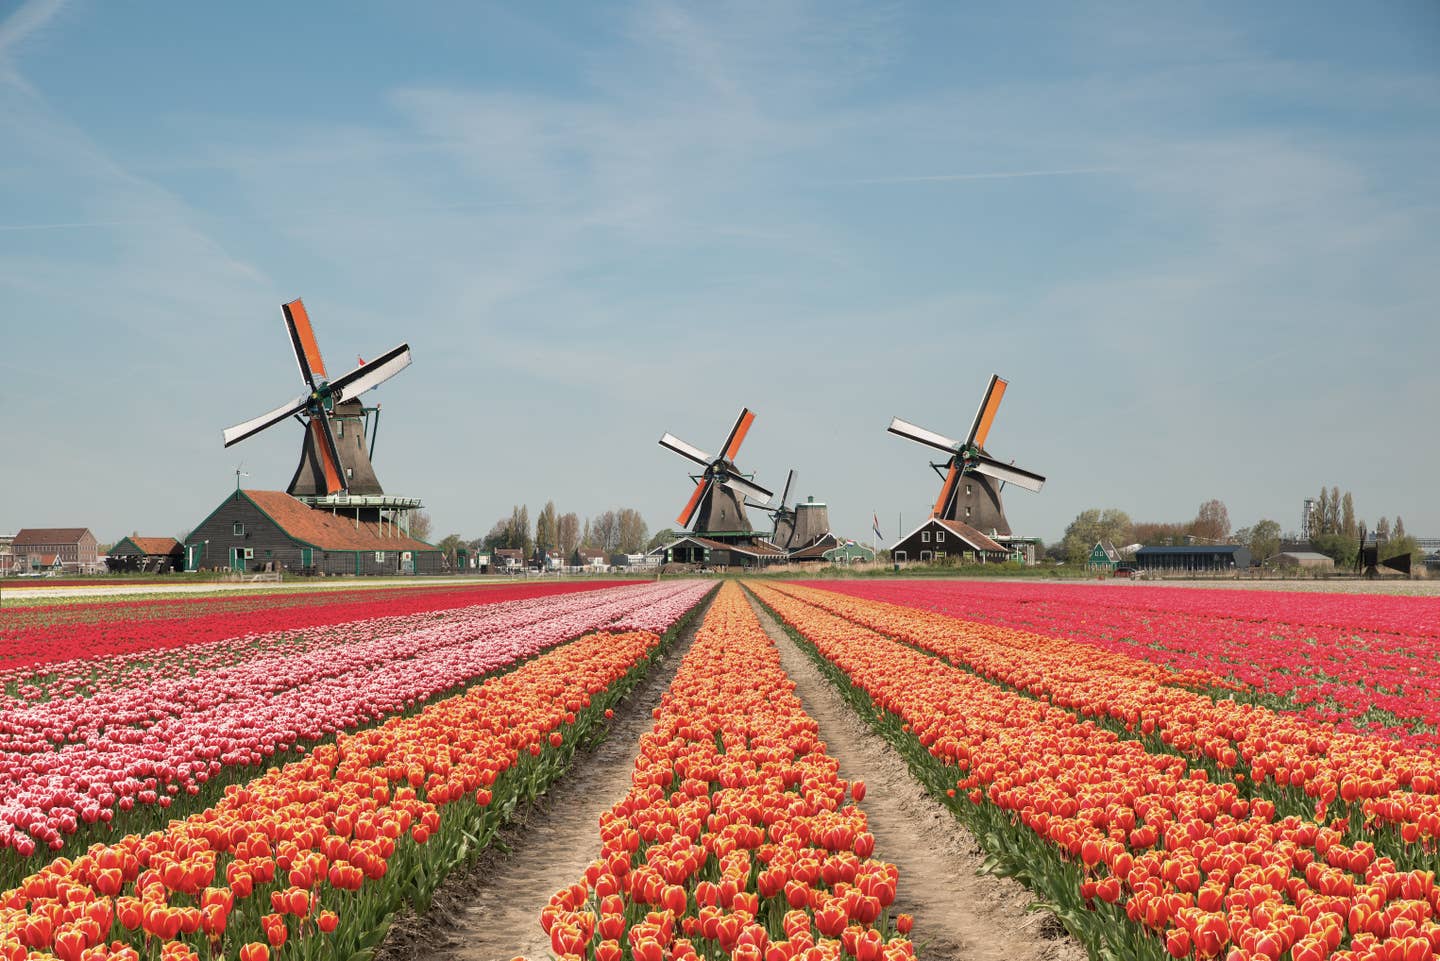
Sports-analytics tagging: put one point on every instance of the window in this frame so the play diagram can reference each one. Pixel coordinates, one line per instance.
(925, 536)
(968, 490)
(900, 555)
(939, 555)
(967, 511)
(924, 556)
(379, 557)
(940, 535)
(249, 553)
(239, 528)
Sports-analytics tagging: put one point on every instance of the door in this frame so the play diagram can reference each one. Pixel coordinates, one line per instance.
(192, 557)
(237, 559)
(307, 557)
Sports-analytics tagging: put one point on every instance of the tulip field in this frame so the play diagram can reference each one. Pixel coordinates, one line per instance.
(1170, 772)
(1152, 805)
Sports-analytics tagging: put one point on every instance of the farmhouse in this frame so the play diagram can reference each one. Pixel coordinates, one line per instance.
(272, 531)
(939, 539)
(71, 549)
(1193, 557)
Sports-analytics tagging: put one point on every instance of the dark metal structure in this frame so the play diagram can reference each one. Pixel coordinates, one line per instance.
(716, 508)
(973, 479)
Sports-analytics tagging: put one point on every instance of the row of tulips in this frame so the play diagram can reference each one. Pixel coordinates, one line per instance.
(1306, 768)
(1369, 664)
(736, 839)
(1138, 853)
(69, 766)
(119, 643)
(312, 859)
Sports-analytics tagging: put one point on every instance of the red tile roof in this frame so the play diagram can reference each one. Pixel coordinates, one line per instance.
(48, 560)
(41, 536)
(331, 532)
(152, 545)
(971, 536)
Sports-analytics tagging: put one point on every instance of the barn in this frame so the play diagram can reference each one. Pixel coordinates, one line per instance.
(254, 531)
(708, 552)
(136, 553)
(939, 539)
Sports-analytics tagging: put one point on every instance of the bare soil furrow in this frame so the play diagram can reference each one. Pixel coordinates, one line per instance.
(958, 913)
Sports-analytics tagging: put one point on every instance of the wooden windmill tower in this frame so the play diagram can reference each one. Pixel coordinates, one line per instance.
(970, 493)
(334, 470)
(716, 509)
(782, 516)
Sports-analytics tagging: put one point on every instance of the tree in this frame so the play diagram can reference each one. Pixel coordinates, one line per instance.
(545, 532)
(567, 533)
(1382, 530)
(1347, 516)
(1154, 534)
(605, 531)
(1212, 523)
(449, 545)
(1091, 526)
(631, 531)
(661, 537)
(420, 526)
(1263, 539)
(1399, 526)
(520, 528)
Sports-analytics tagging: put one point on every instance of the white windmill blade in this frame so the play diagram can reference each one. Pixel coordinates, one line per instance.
(233, 435)
(372, 375)
(751, 490)
(686, 450)
(1008, 473)
(921, 435)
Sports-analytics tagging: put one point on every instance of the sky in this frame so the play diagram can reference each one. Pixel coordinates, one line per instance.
(1198, 240)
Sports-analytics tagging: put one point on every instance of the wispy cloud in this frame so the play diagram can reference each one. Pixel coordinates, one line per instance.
(28, 19)
(983, 175)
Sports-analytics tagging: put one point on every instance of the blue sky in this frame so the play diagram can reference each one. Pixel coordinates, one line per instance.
(1201, 244)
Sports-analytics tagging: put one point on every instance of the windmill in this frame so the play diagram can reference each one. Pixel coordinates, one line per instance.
(969, 493)
(783, 516)
(717, 505)
(334, 458)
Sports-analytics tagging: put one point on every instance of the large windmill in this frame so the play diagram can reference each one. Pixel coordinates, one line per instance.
(334, 459)
(970, 493)
(716, 508)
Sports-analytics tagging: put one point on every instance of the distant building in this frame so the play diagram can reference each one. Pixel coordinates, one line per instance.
(849, 552)
(507, 560)
(70, 549)
(1304, 560)
(1104, 556)
(698, 551)
(7, 554)
(1195, 558)
(136, 553)
(939, 540)
(253, 531)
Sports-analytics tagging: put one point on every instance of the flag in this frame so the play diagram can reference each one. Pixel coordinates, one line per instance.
(875, 526)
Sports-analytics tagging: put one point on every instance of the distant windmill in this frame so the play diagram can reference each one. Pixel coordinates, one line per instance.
(327, 465)
(717, 505)
(783, 515)
(969, 493)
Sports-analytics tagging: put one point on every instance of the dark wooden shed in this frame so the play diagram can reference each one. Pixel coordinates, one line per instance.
(256, 531)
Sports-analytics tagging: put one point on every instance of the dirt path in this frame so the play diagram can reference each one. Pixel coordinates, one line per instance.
(958, 914)
(492, 911)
